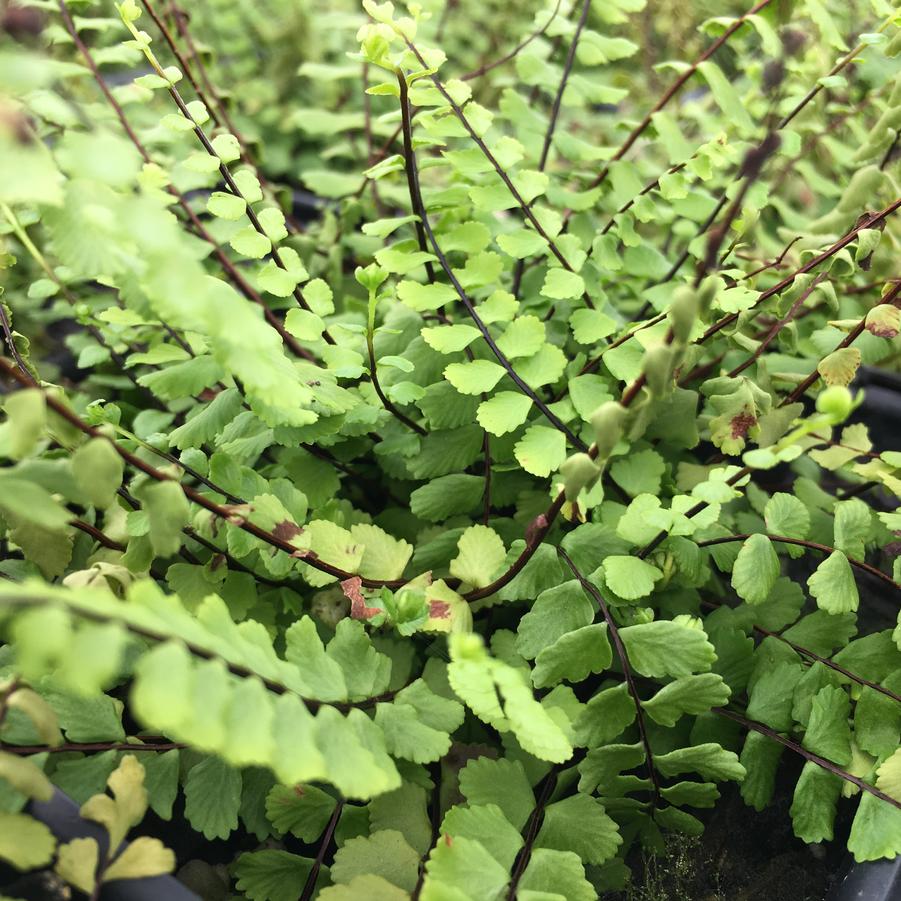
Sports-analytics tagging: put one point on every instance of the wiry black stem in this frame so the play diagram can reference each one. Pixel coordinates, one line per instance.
(828, 765)
(533, 824)
(461, 293)
(505, 178)
(623, 657)
(313, 876)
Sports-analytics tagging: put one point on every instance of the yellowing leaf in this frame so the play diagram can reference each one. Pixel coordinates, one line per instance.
(504, 412)
(25, 842)
(840, 367)
(481, 555)
(561, 284)
(77, 863)
(541, 450)
(144, 857)
(474, 377)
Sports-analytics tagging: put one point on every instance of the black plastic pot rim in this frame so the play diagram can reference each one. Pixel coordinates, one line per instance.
(61, 815)
(876, 880)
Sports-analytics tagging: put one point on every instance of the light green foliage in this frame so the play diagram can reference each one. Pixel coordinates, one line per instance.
(440, 510)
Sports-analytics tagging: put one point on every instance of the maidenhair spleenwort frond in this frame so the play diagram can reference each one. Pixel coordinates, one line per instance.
(460, 541)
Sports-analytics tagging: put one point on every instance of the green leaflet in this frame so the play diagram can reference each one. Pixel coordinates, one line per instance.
(541, 450)
(496, 693)
(585, 817)
(447, 495)
(275, 513)
(689, 694)
(667, 648)
(499, 782)
(833, 585)
(384, 853)
(756, 569)
(573, 656)
(504, 412)
(630, 577)
(481, 556)
(486, 824)
(271, 875)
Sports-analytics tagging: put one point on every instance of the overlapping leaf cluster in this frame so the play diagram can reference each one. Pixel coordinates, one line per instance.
(458, 541)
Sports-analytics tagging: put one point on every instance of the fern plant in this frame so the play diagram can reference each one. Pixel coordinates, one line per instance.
(460, 540)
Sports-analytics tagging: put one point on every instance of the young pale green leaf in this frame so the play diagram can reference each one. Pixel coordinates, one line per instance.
(523, 337)
(167, 513)
(561, 284)
(425, 298)
(372, 887)
(26, 413)
(475, 377)
(541, 450)
(226, 206)
(591, 326)
(25, 777)
(832, 585)
(26, 843)
(853, 520)
(726, 96)
(756, 569)
(505, 412)
(449, 339)
(98, 470)
(250, 243)
(786, 515)
(76, 862)
(630, 577)
(481, 555)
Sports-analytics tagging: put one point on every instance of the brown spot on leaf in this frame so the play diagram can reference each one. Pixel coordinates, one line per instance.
(286, 530)
(887, 332)
(352, 588)
(439, 610)
(741, 423)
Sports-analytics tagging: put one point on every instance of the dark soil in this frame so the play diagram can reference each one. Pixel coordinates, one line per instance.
(742, 856)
